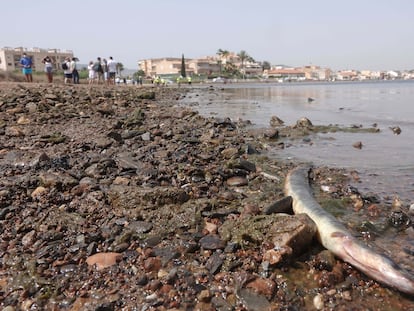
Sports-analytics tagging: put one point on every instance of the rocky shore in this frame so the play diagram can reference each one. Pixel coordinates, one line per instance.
(120, 198)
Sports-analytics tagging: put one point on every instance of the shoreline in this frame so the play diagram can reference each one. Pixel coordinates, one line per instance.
(128, 171)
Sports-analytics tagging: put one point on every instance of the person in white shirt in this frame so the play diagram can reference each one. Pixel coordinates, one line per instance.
(111, 70)
(92, 75)
(48, 68)
(68, 71)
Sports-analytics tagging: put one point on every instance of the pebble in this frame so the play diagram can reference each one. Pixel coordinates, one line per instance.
(318, 302)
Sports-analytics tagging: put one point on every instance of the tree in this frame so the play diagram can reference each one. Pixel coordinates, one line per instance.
(183, 73)
(222, 54)
(266, 65)
(139, 73)
(243, 57)
(231, 69)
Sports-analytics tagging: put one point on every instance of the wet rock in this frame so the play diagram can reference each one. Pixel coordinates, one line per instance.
(325, 260)
(276, 121)
(254, 301)
(357, 145)
(303, 123)
(271, 133)
(261, 286)
(396, 130)
(399, 220)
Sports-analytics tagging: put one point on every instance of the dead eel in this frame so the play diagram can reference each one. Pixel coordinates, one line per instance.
(335, 237)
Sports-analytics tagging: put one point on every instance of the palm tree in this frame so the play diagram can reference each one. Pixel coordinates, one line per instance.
(243, 57)
(223, 54)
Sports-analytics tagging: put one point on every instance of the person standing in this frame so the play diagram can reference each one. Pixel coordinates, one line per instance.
(97, 67)
(48, 68)
(91, 75)
(67, 70)
(111, 70)
(26, 64)
(75, 73)
(105, 70)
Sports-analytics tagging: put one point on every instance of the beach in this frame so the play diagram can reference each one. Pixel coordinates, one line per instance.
(121, 198)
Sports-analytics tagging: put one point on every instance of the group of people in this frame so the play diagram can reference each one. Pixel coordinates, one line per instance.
(102, 71)
(99, 71)
(70, 70)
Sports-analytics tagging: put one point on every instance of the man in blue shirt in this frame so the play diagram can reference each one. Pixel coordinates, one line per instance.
(26, 64)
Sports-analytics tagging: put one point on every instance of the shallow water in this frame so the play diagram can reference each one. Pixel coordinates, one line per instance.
(385, 163)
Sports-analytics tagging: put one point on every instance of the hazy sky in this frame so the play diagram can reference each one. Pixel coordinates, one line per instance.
(351, 34)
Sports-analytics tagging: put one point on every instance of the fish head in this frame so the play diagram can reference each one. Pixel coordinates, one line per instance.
(377, 266)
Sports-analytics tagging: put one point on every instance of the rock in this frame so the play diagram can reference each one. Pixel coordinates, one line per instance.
(103, 260)
(140, 226)
(281, 206)
(275, 121)
(280, 230)
(357, 145)
(303, 123)
(212, 241)
(229, 152)
(277, 255)
(237, 181)
(318, 302)
(254, 301)
(214, 263)
(396, 130)
(265, 287)
(38, 192)
(152, 264)
(271, 133)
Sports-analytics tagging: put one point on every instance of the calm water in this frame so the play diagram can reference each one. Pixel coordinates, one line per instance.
(385, 163)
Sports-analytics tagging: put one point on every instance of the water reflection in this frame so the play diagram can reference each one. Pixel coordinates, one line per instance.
(384, 155)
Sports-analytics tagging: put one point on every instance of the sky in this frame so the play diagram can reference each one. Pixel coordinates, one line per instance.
(341, 35)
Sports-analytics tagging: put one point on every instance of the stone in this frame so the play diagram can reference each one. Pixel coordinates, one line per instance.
(103, 260)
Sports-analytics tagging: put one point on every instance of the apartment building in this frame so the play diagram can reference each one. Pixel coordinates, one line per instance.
(10, 57)
(198, 66)
(170, 66)
(163, 66)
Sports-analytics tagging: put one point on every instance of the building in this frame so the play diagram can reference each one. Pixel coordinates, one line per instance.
(198, 66)
(170, 66)
(204, 66)
(317, 73)
(287, 74)
(167, 66)
(10, 57)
